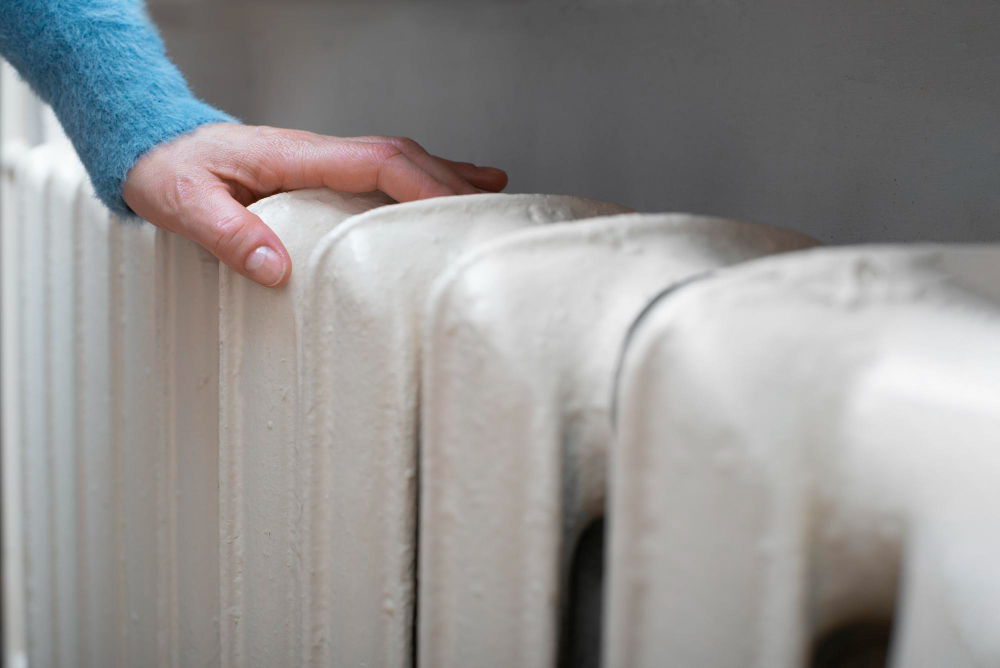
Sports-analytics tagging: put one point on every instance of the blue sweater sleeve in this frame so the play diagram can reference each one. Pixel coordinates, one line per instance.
(101, 65)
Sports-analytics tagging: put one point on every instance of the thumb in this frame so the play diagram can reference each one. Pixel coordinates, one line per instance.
(239, 238)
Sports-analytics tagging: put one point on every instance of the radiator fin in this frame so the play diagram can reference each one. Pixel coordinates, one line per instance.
(522, 340)
(808, 443)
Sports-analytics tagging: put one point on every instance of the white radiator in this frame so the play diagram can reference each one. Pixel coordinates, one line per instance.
(402, 457)
(807, 445)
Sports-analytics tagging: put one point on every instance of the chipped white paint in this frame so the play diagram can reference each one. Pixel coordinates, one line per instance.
(368, 281)
(522, 339)
(806, 442)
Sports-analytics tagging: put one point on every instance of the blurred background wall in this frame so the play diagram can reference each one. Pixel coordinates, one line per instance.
(851, 120)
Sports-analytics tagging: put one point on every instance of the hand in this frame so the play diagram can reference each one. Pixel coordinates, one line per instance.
(199, 184)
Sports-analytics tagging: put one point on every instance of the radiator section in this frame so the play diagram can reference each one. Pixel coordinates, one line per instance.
(521, 343)
(806, 444)
(263, 461)
(370, 281)
(344, 503)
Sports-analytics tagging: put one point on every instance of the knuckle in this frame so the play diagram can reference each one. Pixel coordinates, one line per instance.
(266, 133)
(284, 143)
(406, 145)
(260, 169)
(275, 144)
(279, 156)
(382, 153)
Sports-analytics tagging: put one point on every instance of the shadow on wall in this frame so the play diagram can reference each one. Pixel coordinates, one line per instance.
(849, 121)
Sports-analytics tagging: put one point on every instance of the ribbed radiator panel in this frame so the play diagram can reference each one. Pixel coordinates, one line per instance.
(406, 455)
(13, 143)
(45, 456)
(110, 352)
(192, 327)
(61, 221)
(369, 282)
(97, 531)
(805, 445)
(138, 438)
(510, 480)
(263, 478)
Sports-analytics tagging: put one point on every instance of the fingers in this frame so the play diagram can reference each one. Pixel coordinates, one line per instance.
(464, 177)
(430, 164)
(239, 238)
(401, 179)
(485, 178)
(293, 160)
(398, 166)
(188, 185)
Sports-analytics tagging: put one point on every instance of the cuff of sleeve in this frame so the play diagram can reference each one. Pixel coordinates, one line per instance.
(172, 120)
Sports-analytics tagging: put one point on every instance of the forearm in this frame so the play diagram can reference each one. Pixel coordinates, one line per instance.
(101, 65)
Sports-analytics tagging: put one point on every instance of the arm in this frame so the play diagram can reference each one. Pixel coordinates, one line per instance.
(152, 148)
(100, 64)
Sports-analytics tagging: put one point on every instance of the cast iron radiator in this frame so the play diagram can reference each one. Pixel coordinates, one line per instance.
(495, 430)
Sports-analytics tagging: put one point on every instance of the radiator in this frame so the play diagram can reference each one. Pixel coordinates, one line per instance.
(821, 434)
(432, 444)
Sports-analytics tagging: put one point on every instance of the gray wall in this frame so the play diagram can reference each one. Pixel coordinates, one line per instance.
(850, 120)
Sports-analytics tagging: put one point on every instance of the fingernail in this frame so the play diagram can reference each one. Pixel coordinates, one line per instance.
(265, 266)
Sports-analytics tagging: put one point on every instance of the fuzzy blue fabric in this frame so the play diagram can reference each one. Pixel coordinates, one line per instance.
(101, 65)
